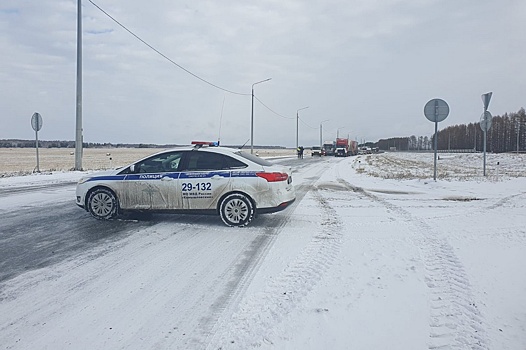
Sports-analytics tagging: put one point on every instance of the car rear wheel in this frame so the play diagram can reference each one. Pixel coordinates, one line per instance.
(236, 210)
(103, 204)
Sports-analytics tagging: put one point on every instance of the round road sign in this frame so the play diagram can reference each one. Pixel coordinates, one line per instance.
(485, 121)
(436, 110)
(36, 121)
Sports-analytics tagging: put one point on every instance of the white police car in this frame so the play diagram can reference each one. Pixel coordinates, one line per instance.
(192, 179)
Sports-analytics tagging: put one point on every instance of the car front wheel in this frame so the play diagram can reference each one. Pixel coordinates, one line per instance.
(103, 204)
(236, 210)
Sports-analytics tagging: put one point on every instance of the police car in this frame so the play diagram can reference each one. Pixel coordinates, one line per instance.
(200, 179)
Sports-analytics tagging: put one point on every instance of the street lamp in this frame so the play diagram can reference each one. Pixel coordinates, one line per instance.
(252, 117)
(321, 132)
(78, 114)
(297, 124)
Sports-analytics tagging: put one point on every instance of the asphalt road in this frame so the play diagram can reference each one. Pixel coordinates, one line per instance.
(33, 236)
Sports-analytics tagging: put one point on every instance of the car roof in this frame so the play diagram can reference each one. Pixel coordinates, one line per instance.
(198, 148)
(215, 149)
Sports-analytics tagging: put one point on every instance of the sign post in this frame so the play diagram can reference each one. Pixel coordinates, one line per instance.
(36, 124)
(485, 122)
(436, 110)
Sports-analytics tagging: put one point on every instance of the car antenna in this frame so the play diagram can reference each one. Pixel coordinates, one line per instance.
(244, 144)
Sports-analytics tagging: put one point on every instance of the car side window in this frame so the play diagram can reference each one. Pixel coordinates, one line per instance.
(199, 161)
(233, 163)
(207, 161)
(166, 162)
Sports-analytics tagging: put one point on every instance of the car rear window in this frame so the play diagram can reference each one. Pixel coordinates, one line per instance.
(254, 158)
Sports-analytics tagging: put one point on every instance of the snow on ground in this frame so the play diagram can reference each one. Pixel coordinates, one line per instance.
(395, 264)
(375, 255)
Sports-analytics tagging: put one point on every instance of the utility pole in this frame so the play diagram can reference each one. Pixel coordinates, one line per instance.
(78, 129)
(298, 125)
(252, 116)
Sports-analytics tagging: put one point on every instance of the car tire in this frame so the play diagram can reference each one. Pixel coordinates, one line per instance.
(236, 209)
(103, 204)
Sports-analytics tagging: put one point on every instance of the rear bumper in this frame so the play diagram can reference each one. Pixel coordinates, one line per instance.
(280, 207)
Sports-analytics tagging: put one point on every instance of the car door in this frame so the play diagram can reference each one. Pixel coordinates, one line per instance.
(203, 180)
(152, 184)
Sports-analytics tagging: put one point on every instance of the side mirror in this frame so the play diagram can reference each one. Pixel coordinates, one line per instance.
(132, 168)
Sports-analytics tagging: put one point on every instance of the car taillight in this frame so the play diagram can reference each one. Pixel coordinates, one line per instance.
(274, 177)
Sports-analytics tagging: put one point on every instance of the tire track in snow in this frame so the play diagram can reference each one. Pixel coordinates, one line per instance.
(259, 316)
(7, 191)
(456, 322)
(503, 201)
(250, 262)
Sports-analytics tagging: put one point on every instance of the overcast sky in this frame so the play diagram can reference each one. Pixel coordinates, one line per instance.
(368, 67)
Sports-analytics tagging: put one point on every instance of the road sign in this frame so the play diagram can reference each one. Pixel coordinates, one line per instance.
(36, 121)
(36, 124)
(485, 121)
(436, 110)
(485, 100)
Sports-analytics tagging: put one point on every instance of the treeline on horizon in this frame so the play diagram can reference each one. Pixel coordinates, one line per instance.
(16, 143)
(501, 137)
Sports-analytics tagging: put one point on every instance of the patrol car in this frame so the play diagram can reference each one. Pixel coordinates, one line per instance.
(231, 183)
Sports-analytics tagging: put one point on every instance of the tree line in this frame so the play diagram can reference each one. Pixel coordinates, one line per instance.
(13, 143)
(507, 134)
(16, 143)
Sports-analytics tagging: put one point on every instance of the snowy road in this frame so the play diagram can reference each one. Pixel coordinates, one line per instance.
(358, 262)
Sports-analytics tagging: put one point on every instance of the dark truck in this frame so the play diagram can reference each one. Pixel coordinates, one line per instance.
(328, 148)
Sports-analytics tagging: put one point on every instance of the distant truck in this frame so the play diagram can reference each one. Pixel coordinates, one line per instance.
(346, 147)
(353, 148)
(328, 148)
(342, 147)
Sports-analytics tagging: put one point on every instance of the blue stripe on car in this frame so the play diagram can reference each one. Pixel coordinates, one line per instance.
(107, 178)
(244, 174)
(203, 175)
(182, 175)
(133, 177)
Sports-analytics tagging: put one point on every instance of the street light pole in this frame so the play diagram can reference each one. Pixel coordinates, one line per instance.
(78, 115)
(321, 132)
(252, 117)
(298, 125)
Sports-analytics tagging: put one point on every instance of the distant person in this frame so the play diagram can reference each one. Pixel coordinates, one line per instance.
(301, 152)
(298, 150)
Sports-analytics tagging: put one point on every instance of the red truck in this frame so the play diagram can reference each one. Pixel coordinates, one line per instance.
(346, 147)
(342, 147)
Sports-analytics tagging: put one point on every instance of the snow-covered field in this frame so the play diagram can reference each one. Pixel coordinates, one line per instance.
(373, 255)
(23, 161)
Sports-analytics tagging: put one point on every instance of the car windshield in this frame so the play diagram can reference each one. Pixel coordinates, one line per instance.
(254, 158)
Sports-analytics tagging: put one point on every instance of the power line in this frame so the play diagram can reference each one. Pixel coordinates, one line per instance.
(163, 55)
(312, 127)
(276, 113)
